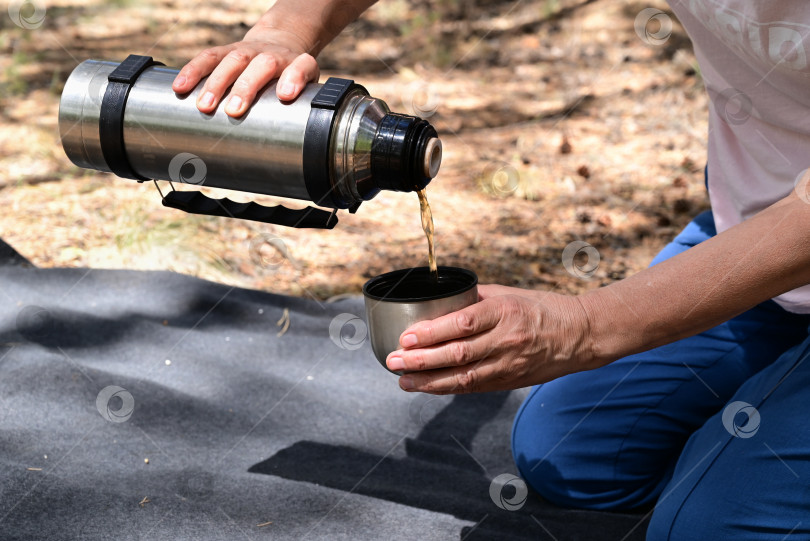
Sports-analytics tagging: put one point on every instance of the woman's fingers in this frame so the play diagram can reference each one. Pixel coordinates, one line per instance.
(456, 353)
(248, 68)
(484, 376)
(222, 77)
(463, 379)
(295, 77)
(470, 321)
(261, 70)
(198, 67)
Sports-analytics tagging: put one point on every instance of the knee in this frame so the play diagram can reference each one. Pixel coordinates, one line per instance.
(555, 462)
(573, 462)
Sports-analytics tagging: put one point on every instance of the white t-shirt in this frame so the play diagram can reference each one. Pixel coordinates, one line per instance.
(754, 57)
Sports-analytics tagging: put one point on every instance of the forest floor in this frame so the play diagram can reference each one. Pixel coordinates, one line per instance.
(559, 124)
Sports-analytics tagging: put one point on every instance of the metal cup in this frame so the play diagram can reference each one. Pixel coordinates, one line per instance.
(396, 300)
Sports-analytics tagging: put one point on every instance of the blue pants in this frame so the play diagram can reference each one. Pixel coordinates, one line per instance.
(709, 433)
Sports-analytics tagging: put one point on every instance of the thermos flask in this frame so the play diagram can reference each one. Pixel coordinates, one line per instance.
(334, 145)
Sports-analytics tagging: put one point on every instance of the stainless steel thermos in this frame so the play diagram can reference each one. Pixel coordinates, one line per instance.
(334, 145)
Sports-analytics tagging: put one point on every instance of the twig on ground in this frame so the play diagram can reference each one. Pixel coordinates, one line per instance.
(284, 323)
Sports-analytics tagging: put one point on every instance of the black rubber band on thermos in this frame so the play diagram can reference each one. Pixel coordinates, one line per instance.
(317, 167)
(111, 117)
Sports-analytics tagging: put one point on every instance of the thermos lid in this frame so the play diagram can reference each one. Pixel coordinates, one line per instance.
(406, 153)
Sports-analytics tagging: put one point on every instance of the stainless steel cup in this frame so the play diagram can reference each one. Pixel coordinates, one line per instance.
(396, 300)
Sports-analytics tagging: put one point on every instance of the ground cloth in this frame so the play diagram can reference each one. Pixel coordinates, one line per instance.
(151, 405)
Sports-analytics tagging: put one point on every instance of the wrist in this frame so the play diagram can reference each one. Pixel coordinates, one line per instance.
(615, 331)
(565, 334)
(587, 351)
(292, 29)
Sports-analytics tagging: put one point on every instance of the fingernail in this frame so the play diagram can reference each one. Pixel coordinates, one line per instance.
(286, 88)
(234, 104)
(180, 81)
(396, 363)
(406, 382)
(207, 100)
(409, 340)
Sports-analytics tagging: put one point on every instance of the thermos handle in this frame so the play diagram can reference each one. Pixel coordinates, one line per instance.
(198, 203)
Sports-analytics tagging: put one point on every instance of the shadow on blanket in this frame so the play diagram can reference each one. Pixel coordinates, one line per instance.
(438, 474)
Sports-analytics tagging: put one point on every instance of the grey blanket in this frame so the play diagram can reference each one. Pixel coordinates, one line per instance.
(150, 405)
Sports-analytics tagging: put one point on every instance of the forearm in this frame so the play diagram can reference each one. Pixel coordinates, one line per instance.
(314, 22)
(714, 281)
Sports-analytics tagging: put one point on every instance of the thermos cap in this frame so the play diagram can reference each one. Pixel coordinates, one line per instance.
(406, 153)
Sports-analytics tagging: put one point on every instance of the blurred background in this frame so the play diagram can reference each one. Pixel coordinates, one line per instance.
(562, 121)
